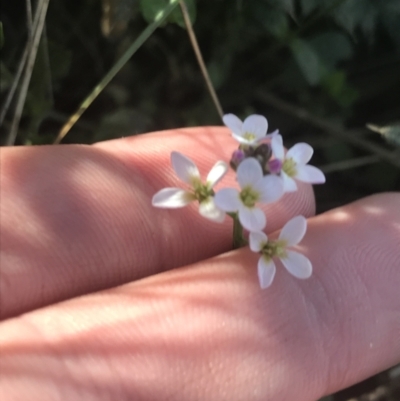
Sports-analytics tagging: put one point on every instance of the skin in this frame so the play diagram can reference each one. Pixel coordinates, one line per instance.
(104, 297)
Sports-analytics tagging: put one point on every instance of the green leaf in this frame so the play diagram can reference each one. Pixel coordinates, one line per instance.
(392, 6)
(152, 10)
(308, 60)
(177, 17)
(308, 6)
(332, 47)
(286, 5)
(352, 14)
(390, 132)
(335, 83)
(276, 22)
(273, 19)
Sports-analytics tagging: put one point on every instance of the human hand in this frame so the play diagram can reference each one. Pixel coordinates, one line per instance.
(190, 321)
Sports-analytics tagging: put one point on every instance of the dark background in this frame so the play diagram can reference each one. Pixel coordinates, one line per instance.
(319, 70)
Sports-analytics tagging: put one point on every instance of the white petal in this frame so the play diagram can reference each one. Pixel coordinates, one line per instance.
(297, 264)
(272, 134)
(301, 153)
(270, 188)
(172, 198)
(252, 219)
(184, 168)
(266, 272)
(240, 139)
(227, 199)
(277, 147)
(249, 172)
(216, 173)
(233, 123)
(289, 184)
(256, 125)
(209, 210)
(257, 240)
(310, 174)
(293, 231)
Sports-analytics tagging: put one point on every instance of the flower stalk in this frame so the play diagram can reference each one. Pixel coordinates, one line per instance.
(238, 239)
(264, 172)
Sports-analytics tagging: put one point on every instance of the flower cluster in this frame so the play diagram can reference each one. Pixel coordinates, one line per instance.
(264, 172)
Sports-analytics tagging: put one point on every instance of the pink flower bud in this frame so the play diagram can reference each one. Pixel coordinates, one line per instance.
(275, 166)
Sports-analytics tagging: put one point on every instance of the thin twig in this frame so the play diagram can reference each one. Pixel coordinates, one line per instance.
(199, 57)
(331, 129)
(14, 85)
(29, 18)
(40, 16)
(115, 69)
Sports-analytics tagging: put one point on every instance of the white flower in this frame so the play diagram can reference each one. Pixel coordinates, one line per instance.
(294, 164)
(188, 172)
(254, 188)
(249, 132)
(296, 264)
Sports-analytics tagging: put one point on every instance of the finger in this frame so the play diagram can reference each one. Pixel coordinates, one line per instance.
(207, 332)
(76, 219)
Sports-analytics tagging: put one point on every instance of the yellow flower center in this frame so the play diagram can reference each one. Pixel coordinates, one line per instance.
(249, 197)
(249, 136)
(274, 248)
(201, 191)
(290, 167)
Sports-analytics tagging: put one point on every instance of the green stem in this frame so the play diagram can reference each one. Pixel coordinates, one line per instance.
(238, 238)
(116, 68)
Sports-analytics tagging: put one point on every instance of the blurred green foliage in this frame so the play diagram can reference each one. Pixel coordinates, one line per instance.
(303, 48)
(338, 59)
